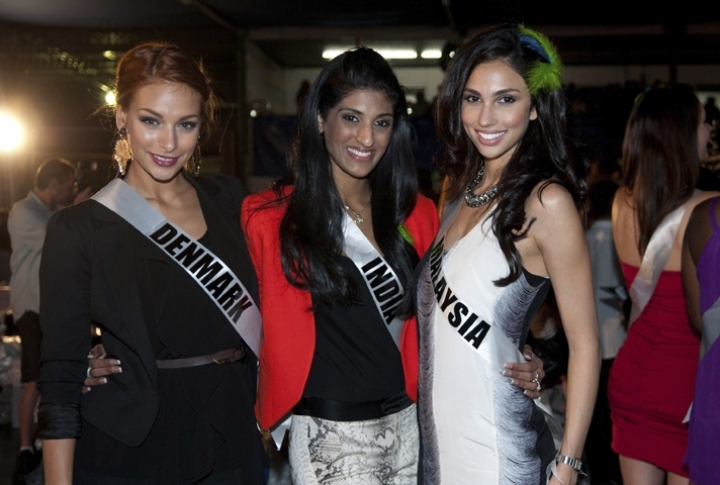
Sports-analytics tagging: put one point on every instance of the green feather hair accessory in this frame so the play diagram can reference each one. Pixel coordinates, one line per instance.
(545, 75)
(406, 234)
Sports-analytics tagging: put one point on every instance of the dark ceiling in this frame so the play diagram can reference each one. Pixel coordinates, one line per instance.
(121, 14)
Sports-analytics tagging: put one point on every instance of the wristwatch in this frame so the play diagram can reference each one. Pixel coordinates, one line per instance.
(573, 463)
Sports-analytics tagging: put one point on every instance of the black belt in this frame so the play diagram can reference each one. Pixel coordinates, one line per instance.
(351, 411)
(228, 356)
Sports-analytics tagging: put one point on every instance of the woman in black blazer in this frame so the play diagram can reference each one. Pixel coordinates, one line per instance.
(175, 302)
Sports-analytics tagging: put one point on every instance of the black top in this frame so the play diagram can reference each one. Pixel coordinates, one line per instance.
(205, 421)
(355, 359)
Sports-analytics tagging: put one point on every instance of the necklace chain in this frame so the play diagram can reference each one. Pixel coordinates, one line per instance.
(473, 200)
(358, 215)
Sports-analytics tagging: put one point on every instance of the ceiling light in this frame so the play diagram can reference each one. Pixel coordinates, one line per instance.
(333, 53)
(431, 54)
(398, 53)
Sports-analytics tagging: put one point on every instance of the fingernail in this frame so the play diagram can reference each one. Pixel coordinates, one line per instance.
(103, 380)
(528, 356)
(506, 373)
(526, 392)
(513, 382)
(118, 362)
(119, 370)
(88, 389)
(89, 356)
(507, 366)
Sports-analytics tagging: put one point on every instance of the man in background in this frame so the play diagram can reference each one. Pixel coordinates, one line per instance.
(27, 222)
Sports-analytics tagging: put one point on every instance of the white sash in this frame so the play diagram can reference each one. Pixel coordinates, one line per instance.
(383, 283)
(490, 343)
(207, 270)
(654, 260)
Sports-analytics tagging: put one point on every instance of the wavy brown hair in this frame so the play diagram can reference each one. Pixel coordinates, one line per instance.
(546, 153)
(660, 155)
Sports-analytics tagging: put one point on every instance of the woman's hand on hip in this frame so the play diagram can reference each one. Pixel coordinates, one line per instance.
(99, 367)
(527, 376)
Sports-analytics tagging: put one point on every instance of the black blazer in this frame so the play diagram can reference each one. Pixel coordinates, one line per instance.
(86, 276)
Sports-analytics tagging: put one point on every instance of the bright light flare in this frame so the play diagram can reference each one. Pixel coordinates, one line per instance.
(110, 99)
(11, 133)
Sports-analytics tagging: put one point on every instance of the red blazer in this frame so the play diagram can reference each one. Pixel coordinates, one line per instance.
(289, 324)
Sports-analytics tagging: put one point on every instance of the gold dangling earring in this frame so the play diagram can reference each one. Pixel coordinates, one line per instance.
(122, 153)
(197, 160)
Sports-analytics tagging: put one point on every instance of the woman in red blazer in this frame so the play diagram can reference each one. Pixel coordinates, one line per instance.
(335, 245)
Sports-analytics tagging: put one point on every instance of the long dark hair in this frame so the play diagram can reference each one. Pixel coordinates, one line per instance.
(311, 231)
(545, 153)
(660, 155)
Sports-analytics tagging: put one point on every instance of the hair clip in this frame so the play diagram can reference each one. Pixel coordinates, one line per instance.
(542, 76)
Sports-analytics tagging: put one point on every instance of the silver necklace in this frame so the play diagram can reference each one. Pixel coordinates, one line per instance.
(358, 215)
(473, 200)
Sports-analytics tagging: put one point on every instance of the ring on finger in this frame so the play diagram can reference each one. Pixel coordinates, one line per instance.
(536, 380)
(87, 373)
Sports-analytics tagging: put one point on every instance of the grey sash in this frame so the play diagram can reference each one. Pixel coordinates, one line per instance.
(210, 272)
(654, 260)
(383, 283)
(711, 327)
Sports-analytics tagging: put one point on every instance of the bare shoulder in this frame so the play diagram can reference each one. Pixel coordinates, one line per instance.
(699, 201)
(555, 236)
(700, 212)
(702, 197)
(696, 219)
(549, 199)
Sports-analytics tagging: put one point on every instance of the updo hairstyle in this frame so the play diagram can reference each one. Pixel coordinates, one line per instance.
(158, 62)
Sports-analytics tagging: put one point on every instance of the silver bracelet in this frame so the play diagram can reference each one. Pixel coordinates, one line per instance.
(573, 463)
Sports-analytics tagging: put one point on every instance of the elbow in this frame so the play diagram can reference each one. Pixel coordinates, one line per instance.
(58, 421)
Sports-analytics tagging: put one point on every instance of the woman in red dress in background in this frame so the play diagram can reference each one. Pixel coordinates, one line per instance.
(651, 383)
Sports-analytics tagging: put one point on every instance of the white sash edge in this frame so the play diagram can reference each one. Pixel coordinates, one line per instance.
(654, 260)
(279, 431)
(122, 199)
(358, 248)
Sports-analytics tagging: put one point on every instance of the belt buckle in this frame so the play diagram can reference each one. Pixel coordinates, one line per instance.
(228, 360)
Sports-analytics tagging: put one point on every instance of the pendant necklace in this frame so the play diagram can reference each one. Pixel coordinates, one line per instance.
(358, 215)
(473, 200)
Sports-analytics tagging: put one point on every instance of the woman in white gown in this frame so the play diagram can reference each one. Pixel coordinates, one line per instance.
(510, 232)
